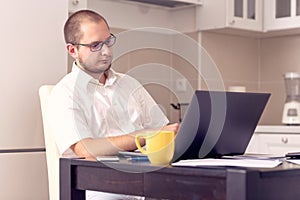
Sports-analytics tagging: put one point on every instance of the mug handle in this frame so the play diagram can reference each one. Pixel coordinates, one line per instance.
(138, 145)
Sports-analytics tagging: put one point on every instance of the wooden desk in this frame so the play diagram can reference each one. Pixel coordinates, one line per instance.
(178, 183)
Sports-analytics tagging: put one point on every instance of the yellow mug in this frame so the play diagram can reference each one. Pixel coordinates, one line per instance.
(159, 146)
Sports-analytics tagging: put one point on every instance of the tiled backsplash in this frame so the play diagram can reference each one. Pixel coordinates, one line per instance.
(256, 63)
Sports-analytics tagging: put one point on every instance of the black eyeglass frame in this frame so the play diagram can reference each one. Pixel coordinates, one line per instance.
(97, 43)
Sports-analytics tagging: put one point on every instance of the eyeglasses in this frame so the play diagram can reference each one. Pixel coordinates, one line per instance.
(97, 46)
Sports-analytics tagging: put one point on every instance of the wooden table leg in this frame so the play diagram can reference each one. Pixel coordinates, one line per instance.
(242, 185)
(65, 183)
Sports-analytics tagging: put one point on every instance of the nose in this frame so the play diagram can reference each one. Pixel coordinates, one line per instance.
(105, 50)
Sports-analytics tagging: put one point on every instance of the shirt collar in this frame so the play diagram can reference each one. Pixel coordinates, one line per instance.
(83, 79)
(111, 77)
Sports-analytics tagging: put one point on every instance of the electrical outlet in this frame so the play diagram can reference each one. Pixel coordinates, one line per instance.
(181, 85)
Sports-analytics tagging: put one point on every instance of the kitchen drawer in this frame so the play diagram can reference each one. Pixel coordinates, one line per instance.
(274, 143)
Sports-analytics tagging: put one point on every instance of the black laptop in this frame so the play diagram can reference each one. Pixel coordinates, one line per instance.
(218, 123)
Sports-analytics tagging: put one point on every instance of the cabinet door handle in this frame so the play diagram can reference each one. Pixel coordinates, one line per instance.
(232, 22)
(284, 140)
(75, 2)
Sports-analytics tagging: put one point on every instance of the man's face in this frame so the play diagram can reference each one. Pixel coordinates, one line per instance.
(94, 63)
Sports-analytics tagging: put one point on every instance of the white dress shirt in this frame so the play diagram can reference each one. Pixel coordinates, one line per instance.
(81, 107)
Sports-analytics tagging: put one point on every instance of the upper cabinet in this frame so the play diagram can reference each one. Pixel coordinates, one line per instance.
(253, 15)
(163, 4)
(177, 15)
(240, 14)
(245, 14)
(281, 14)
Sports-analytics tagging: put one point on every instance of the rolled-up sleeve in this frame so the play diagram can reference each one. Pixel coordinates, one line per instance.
(66, 119)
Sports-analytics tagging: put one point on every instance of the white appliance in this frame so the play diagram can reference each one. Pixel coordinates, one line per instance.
(32, 54)
(291, 110)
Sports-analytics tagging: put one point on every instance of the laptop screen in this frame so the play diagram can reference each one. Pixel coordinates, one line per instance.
(218, 123)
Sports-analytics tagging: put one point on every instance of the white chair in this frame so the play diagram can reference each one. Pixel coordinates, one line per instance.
(52, 154)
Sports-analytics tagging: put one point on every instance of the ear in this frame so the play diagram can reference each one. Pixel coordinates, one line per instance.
(72, 50)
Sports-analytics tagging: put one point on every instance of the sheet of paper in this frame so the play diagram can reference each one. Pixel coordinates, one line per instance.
(108, 158)
(294, 161)
(257, 157)
(131, 153)
(229, 162)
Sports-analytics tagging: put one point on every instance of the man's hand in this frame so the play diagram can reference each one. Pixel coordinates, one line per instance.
(171, 127)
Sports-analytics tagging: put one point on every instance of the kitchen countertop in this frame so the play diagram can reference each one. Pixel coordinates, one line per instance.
(277, 129)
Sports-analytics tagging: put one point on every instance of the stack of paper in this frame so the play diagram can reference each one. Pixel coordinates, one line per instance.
(259, 163)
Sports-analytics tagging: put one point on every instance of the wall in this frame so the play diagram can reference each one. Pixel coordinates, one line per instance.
(257, 63)
(236, 57)
(136, 62)
(278, 56)
(157, 68)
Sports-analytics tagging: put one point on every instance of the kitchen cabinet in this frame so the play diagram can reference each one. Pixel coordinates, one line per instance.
(239, 14)
(245, 14)
(275, 140)
(32, 54)
(75, 5)
(252, 15)
(142, 14)
(169, 5)
(281, 14)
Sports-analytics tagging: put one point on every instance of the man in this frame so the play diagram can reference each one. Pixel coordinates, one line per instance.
(95, 110)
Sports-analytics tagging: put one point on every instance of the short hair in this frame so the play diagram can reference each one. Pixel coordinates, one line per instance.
(72, 28)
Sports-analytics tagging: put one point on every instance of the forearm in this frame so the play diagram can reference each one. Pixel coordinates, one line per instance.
(90, 148)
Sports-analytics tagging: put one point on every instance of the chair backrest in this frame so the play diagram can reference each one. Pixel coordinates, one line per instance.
(52, 154)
